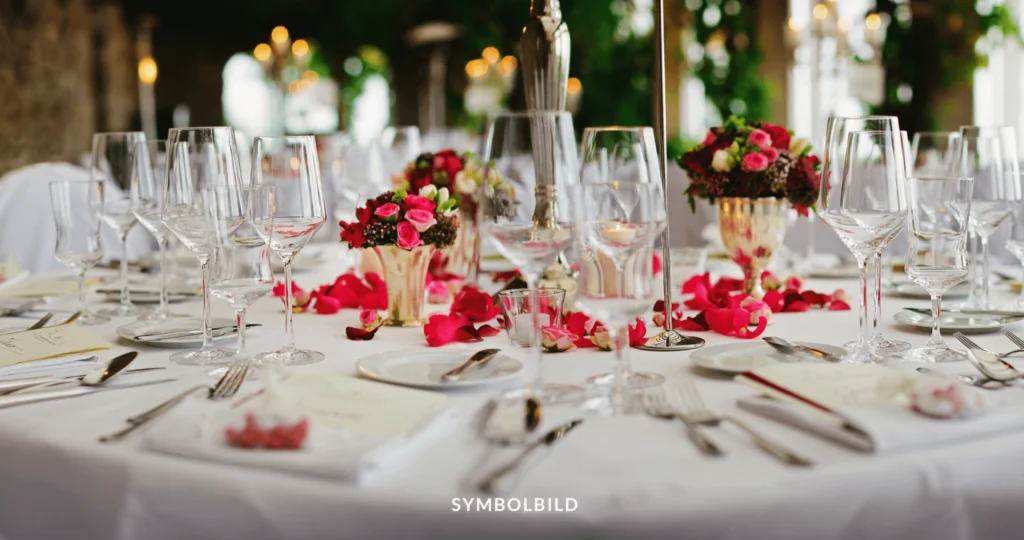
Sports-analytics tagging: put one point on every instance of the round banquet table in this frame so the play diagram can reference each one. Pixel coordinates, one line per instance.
(632, 478)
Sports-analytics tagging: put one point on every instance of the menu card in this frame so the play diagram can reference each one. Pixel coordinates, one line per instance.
(36, 288)
(360, 406)
(46, 343)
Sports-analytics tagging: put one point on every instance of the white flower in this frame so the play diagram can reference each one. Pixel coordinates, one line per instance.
(464, 183)
(720, 161)
(442, 195)
(428, 191)
(797, 146)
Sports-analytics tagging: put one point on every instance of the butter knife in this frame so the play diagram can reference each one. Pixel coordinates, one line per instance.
(492, 483)
(217, 331)
(989, 312)
(10, 385)
(34, 397)
(478, 359)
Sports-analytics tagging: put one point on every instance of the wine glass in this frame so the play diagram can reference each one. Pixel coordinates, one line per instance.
(866, 207)
(1015, 245)
(836, 144)
(989, 156)
(937, 253)
(535, 152)
(244, 273)
(286, 217)
(147, 197)
(200, 214)
(401, 145)
(626, 237)
(934, 152)
(617, 153)
(77, 208)
(112, 160)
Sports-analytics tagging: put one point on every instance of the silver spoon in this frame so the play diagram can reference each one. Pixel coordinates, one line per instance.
(788, 347)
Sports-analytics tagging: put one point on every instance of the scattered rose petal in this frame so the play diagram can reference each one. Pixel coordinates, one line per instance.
(557, 339)
(475, 304)
(438, 292)
(838, 305)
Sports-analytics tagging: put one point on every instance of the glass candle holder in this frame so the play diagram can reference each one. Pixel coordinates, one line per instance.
(515, 306)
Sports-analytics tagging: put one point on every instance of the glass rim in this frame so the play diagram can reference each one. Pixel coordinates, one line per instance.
(75, 181)
(122, 133)
(624, 129)
(296, 138)
(199, 128)
(511, 293)
(532, 114)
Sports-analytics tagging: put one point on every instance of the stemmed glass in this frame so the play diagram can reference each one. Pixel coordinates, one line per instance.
(1015, 245)
(536, 153)
(77, 207)
(286, 217)
(201, 212)
(937, 253)
(934, 152)
(866, 207)
(626, 236)
(837, 138)
(147, 197)
(989, 156)
(113, 159)
(401, 145)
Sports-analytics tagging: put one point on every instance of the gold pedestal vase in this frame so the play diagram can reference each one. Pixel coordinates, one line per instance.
(752, 229)
(405, 274)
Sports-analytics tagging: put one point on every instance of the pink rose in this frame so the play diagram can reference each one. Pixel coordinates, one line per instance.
(421, 219)
(557, 339)
(709, 138)
(438, 292)
(387, 211)
(760, 139)
(770, 154)
(415, 202)
(602, 340)
(757, 309)
(368, 317)
(408, 236)
(754, 162)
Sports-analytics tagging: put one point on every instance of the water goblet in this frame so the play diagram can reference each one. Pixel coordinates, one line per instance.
(77, 207)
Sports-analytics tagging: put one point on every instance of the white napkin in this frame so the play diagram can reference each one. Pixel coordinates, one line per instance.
(195, 429)
(890, 428)
(51, 364)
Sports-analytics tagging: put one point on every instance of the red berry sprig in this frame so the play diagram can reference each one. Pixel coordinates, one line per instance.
(279, 437)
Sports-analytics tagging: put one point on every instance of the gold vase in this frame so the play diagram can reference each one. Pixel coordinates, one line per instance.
(405, 274)
(464, 255)
(752, 229)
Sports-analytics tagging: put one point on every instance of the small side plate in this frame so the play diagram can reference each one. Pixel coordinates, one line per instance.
(957, 322)
(736, 358)
(424, 368)
(908, 289)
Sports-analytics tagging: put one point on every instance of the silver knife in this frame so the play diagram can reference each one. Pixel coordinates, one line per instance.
(991, 312)
(478, 359)
(491, 483)
(23, 399)
(216, 331)
(10, 385)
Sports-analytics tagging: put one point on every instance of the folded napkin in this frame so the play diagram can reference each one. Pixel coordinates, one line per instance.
(195, 429)
(51, 364)
(45, 286)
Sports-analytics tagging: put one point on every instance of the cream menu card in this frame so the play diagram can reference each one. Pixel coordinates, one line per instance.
(47, 342)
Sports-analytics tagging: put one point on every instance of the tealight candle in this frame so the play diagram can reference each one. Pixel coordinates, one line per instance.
(618, 233)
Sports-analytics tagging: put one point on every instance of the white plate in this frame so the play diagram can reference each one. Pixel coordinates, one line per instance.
(738, 358)
(423, 368)
(957, 322)
(913, 290)
(130, 330)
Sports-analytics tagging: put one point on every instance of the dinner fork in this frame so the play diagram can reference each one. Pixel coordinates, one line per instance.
(971, 344)
(1017, 340)
(658, 405)
(225, 388)
(697, 412)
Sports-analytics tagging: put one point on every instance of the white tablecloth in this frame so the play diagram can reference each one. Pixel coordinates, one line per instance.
(632, 478)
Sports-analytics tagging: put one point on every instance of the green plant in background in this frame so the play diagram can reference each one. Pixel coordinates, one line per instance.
(932, 46)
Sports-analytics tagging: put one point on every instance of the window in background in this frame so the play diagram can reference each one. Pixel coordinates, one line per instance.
(997, 86)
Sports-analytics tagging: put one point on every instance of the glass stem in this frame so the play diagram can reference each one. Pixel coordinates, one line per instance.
(865, 329)
(161, 242)
(536, 337)
(1020, 297)
(810, 237)
(876, 297)
(81, 291)
(972, 299)
(240, 324)
(289, 330)
(204, 265)
(618, 397)
(984, 272)
(124, 269)
(936, 339)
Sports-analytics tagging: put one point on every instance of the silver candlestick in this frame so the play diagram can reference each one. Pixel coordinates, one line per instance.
(669, 339)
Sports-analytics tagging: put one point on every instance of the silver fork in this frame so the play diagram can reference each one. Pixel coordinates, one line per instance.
(657, 404)
(696, 411)
(1017, 340)
(971, 344)
(225, 388)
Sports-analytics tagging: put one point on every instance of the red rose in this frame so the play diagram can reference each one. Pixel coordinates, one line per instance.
(449, 162)
(415, 202)
(780, 135)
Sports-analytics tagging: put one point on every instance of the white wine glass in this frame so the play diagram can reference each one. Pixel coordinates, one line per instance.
(535, 153)
(937, 253)
(147, 202)
(112, 161)
(934, 153)
(626, 237)
(199, 214)
(77, 213)
(286, 217)
(867, 208)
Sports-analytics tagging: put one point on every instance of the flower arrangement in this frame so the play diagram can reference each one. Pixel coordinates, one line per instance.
(461, 174)
(397, 218)
(753, 160)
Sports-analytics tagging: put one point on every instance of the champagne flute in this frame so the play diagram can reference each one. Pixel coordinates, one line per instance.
(626, 237)
(535, 152)
(200, 214)
(286, 217)
(866, 207)
(112, 159)
(147, 197)
(937, 254)
(77, 207)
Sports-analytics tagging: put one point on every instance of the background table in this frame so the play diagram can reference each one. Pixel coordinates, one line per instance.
(633, 478)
